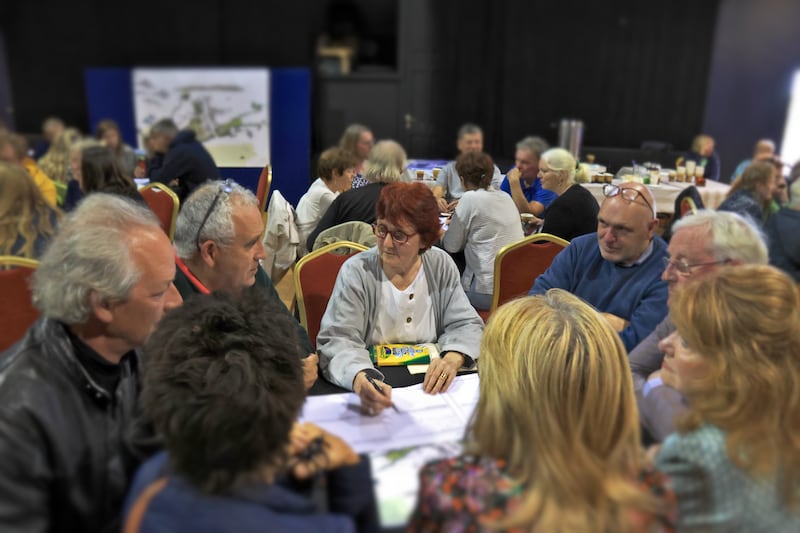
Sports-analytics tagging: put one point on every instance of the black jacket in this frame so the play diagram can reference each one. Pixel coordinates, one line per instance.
(63, 463)
(187, 161)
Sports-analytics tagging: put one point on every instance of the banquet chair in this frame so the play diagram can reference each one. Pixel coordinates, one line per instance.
(518, 264)
(314, 278)
(17, 312)
(164, 203)
(263, 187)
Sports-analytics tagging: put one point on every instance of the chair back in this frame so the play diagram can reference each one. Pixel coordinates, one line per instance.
(17, 312)
(686, 203)
(164, 203)
(353, 231)
(264, 185)
(314, 278)
(518, 264)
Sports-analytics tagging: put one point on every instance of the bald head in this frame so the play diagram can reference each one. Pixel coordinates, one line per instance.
(626, 223)
(764, 149)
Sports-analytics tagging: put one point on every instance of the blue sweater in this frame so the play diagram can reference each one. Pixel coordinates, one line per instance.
(634, 293)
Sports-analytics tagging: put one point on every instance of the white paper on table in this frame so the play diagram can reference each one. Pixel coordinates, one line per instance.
(422, 418)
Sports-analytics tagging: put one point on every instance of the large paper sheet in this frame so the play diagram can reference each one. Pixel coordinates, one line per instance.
(422, 418)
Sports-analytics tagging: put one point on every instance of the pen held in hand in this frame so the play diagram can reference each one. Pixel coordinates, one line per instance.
(380, 390)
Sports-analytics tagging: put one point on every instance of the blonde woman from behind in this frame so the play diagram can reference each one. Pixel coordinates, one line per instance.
(553, 444)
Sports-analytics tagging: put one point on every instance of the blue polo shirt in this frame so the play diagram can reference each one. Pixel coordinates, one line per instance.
(533, 192)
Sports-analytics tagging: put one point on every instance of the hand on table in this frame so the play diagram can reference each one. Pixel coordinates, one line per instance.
(310, 371)
(372, 401)
(441, 372)
(313, 449)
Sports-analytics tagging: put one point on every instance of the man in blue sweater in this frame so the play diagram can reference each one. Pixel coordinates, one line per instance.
(618, 269)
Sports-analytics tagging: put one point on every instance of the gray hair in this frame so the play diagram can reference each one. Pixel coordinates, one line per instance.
(535, 145)
(90, 254)
(731, 236)
(350, 137)
(468, 129)
(164, 126)
(560, 160)
(386, 163)
(219, 225)
(794, 193)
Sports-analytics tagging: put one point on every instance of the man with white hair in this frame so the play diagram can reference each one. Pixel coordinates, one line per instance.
(700, 244)
(219, 248)
(68, 389)
(617, 269)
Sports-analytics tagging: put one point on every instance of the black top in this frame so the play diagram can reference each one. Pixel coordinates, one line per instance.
(572, 214)
(188, 162)
(353, 205)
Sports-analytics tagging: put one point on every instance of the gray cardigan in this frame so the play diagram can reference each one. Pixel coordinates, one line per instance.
(354, 305)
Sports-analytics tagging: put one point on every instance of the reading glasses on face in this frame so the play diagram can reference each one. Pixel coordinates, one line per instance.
(399, 237)
(631, 195)
(224, 187)
(683, 267)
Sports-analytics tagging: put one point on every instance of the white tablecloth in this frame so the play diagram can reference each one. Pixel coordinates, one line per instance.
(713, 193)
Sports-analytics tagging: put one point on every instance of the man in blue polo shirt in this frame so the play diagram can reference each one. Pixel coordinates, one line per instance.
(618, 269)
(522, 182)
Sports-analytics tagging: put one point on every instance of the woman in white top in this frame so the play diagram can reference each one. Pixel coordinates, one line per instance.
(484, 221)
(336, 170)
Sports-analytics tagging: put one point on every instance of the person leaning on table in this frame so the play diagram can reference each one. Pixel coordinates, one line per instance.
(553, 444)
(402, 291)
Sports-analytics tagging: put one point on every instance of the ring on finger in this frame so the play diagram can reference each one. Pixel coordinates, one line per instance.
(443, 376)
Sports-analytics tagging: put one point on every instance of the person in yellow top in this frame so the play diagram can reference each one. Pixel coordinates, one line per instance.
(13, 149)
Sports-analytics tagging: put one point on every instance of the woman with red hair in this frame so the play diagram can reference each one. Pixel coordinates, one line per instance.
(402, 291)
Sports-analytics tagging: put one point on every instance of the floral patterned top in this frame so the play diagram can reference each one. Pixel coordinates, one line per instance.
(458, 495)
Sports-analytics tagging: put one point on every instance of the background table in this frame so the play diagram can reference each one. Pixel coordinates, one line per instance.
(713, 193)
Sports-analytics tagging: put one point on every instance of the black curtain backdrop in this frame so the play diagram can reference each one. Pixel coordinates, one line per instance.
(631, 70)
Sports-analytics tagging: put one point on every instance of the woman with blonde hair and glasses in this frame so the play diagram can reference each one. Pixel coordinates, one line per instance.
(27, 220)
(553, 444)
(735, 356)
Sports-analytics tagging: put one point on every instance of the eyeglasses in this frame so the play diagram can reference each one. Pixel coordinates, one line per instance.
(685, 268)
(399, 237)
(224, 187)
(631, 195)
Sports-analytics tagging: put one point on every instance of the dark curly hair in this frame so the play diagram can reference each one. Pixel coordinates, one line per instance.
(223, 386)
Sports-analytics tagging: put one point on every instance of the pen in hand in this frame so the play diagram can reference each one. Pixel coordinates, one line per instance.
(379, 389)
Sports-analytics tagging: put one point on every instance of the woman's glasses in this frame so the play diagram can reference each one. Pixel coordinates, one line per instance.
(399, 237)
(224, 187)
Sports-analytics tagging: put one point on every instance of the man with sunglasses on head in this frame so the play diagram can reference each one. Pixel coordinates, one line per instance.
(618, 269)
(218, 246)
(700, 244)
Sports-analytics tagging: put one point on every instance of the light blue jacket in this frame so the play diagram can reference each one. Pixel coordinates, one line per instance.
(716, 495)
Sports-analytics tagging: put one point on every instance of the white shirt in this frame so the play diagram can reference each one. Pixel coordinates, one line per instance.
(312, 206)
(484, 222)
(406, 316)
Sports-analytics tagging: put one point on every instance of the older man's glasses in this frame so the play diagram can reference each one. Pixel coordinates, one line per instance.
(684, 267)
(399, 237)
(631, 195)
(224, 187)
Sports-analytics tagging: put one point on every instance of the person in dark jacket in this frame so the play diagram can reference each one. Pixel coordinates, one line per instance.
(68, 389)
(223, 388)
(782, 235)
(218, 247)
(186, 163)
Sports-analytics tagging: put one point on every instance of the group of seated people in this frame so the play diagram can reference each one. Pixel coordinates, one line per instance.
(179, 360)
(35, 193)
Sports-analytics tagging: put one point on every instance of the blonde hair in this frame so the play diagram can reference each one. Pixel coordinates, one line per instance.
(55, 163)
(745, 322)
(23, 212)
(386, 163)
(557, 404)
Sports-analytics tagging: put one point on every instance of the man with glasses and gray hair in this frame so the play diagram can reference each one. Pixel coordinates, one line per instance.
(69, 388)
(618, 269)
(219, 248)
(700, 244)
